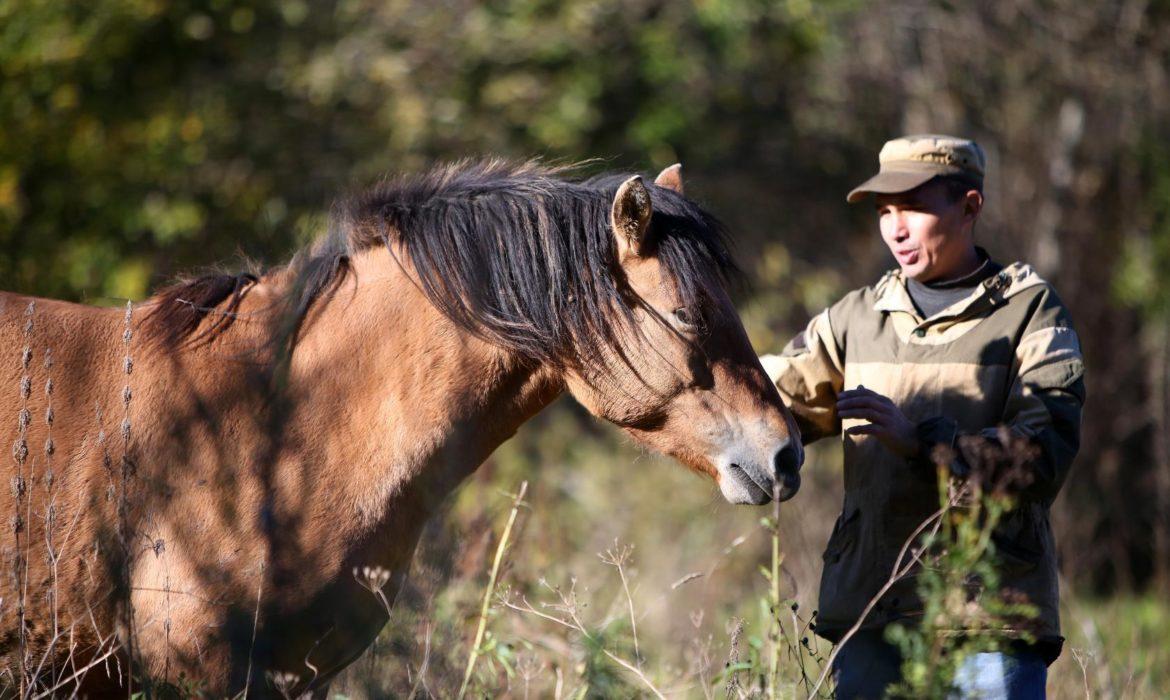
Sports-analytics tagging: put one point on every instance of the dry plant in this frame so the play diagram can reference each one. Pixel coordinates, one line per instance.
(909, 557)
(517, 502)
(618, 556)
(566, 612)
(731, 684)
(420, 681)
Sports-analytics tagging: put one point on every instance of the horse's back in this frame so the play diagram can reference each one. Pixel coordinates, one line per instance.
(51, 324)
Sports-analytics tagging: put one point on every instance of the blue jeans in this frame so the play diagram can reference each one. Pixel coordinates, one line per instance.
(868, 665)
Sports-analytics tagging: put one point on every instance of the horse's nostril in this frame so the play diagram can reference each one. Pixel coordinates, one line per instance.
(787, 484)
(787, 460)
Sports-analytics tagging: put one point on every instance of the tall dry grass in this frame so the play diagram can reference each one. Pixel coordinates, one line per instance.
(694, 581)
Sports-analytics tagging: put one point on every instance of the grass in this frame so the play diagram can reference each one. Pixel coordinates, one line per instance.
(617, 546)
(1116, 647)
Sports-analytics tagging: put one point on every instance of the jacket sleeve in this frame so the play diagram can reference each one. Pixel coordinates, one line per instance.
(1043, 406)
(809, 373)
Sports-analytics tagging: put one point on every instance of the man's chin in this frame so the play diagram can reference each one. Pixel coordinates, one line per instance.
(919, 272)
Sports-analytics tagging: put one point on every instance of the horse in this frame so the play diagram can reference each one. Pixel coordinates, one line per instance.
(196, 479)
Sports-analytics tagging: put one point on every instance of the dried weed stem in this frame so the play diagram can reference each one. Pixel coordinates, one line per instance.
(568, 606)
(902, 568)
(617, 557)
(517, 501)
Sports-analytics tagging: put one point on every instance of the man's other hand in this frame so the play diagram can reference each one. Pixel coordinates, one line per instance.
(887, 423)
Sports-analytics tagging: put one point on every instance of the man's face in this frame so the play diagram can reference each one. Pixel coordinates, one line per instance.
(929, 234)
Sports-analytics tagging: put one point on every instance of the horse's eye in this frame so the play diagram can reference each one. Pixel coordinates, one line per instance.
(685, 317)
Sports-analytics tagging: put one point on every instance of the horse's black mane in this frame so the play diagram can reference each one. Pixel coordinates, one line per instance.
(516, 253)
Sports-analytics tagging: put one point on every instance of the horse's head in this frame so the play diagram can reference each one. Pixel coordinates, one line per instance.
(679, 374)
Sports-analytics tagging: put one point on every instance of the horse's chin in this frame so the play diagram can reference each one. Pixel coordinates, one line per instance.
(741, 489)
(751, 496)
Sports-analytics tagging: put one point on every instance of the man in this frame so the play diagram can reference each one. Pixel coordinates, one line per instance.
(945, 349)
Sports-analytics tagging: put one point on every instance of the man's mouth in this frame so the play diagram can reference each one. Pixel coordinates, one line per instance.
(907, 257)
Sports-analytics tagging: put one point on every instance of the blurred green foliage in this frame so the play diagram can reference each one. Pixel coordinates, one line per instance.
(142, 137)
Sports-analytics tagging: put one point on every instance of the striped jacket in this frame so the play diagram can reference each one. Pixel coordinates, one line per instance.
(1006, 355)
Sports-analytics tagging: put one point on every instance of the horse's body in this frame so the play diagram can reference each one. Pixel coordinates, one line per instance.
(205, 525)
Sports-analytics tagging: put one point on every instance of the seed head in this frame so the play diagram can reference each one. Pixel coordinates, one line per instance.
(373, 578)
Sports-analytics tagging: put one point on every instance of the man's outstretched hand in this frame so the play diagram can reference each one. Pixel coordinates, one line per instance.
(886, 421)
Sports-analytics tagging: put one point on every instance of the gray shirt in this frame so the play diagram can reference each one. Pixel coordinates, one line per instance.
(932, 297)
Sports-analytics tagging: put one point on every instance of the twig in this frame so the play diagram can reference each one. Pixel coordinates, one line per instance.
(574, 623)
(80, 672)
(1076, 653)
(777, 629)
(731, 685)
(422, 669)
(487, 596)
(617, 558)
(900, 571)
(255, 625)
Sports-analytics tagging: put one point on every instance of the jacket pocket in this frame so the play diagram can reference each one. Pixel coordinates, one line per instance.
(1017, 542)
(844, 534)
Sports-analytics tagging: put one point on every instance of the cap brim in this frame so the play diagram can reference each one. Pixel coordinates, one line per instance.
(889, 182)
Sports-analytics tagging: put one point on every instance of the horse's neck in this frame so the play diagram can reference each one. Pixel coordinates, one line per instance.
(408, 403)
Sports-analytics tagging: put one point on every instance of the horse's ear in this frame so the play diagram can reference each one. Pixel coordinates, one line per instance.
(671, 178)
(630, 217)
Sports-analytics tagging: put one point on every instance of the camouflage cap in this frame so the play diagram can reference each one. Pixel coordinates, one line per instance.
(910, 161)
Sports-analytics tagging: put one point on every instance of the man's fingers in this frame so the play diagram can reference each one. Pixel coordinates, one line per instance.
(862, 402)
(864, 414)
(870, 429)
(859, 391)
(862, 392)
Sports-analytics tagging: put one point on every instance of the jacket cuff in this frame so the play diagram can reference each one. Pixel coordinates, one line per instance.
(933, 434)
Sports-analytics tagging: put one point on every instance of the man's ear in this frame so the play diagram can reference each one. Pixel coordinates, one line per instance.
(630, 218)
(972, 204)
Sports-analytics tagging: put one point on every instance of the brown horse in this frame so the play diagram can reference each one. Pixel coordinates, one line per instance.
(194, 480)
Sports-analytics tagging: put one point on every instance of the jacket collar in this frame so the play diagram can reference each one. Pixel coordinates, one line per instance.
(892, 295)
